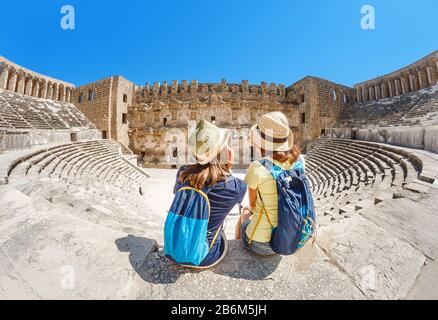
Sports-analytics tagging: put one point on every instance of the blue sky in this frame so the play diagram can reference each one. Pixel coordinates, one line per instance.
(278, 41)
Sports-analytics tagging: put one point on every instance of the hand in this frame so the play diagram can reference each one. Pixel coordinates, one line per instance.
(248, 210)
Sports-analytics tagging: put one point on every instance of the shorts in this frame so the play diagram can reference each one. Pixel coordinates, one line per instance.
(259, 248)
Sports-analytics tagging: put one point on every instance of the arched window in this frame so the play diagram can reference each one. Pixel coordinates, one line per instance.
(345, 98)
(164, 121)
(91, 95)
(334, 95)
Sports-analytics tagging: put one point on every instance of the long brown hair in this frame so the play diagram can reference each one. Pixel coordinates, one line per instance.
(201, 175)
(284, 156)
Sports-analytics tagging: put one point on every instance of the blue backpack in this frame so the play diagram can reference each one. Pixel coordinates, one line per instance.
(296, 212)
(185, 230)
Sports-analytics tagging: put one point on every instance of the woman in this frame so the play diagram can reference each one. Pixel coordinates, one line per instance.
(212, 174)
(272, 139)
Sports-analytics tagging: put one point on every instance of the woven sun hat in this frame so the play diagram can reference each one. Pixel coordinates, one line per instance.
(207, 141)
(272, 132)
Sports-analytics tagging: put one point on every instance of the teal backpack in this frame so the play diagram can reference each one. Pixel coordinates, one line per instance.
(185, 230)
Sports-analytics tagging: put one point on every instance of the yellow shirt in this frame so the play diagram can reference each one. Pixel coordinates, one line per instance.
(259, 178)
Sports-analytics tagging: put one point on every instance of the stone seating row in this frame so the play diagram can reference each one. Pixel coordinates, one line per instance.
(347, 176)
(418, 107)
(23, 112)
(96, 160)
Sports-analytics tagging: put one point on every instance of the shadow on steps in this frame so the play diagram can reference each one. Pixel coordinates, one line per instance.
(151, 265)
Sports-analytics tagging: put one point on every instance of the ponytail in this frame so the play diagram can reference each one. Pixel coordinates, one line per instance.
(283, 156)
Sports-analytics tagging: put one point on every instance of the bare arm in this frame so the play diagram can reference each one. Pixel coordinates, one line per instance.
(252, 198)
(246, 211)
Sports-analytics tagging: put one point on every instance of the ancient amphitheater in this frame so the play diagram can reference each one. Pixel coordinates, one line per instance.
(79, 218)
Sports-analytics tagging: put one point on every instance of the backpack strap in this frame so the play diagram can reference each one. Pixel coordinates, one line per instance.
(268, 164)
(273, 169)
(215, 237)
(201, 193)
(260, 218)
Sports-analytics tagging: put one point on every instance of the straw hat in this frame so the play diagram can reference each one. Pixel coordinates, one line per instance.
(207, 141)
(272, 132)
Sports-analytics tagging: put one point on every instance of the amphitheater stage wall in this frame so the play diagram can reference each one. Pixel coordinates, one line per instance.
(431, 139)
(412, 137)
(341, 133)
(418, 137)
(25, 139)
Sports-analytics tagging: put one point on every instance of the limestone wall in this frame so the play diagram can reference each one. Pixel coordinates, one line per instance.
(320, 103)
(105, 103)
(160, 116)
(417, 137)
(431, 139)
(122, 97)
(341, 133)
(194, 88)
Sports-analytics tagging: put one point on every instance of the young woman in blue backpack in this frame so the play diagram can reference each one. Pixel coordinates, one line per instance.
(205, 193)
(276, 221)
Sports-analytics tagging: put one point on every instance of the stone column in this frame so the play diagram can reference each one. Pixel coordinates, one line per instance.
(377, 92)
(49, 92)
(4, 77)
(365, 94)
(55, 92)
(67, 94)
(390, 88)
(36, 88)
(28, 86)
(62, 94)
(43, 86)
(358, 94)
(422, 78)
(436, 73)
(429, 76)
(397, 87)
(21, 83)
(384, 90)
(412, 82)
(372, 96)
(404, 85)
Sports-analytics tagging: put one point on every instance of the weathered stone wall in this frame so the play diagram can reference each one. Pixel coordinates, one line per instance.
(161, 115)
(431, 139)
(122, 96)
(320, 103)
(96, 108)
(105, 103)
(412, 137)
(418, 137)
(341, 133)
